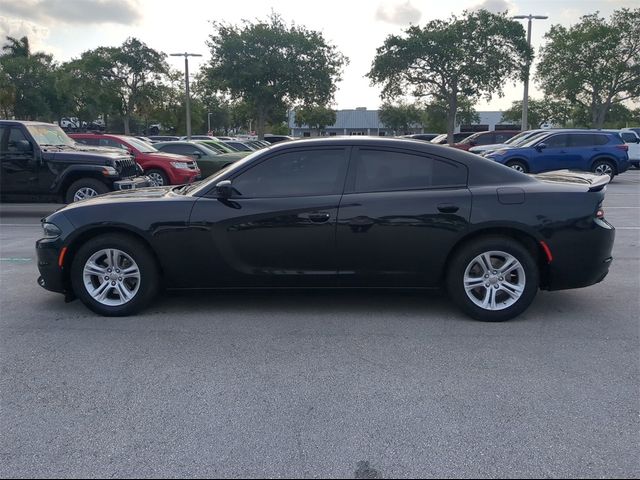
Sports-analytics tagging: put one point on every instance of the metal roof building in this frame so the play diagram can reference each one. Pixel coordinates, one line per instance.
(361, 121)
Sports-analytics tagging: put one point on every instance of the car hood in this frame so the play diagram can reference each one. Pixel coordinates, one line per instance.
(83, 155)
(167, 157)
(590, 180)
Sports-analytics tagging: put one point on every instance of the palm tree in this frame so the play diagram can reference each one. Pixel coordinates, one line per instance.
(17, 48)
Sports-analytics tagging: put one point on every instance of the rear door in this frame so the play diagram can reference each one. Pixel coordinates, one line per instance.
(631, 140)
(400, 214)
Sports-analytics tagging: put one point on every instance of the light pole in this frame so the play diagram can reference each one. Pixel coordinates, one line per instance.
(208, 122)
(525, 98)
(186, 86)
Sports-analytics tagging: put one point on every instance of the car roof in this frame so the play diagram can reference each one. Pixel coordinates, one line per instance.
(26, 122)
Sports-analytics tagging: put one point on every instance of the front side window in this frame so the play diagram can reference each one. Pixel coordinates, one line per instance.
(295, 174)
(16, 135)
(557, 141)
(379, 171)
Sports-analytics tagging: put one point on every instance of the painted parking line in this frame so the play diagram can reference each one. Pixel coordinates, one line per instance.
(20, 225)
(15, 259)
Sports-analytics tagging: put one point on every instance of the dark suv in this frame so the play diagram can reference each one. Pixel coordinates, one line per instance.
(39, 160)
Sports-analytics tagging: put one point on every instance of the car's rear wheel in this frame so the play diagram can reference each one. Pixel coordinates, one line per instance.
(518, 165)
(158, 177)
(114, 275)
(493, 279)
(604, 167)
(85, 188)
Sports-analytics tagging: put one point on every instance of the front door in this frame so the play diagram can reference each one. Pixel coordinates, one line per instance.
(400, 214)
(279, 226)
(18, 163)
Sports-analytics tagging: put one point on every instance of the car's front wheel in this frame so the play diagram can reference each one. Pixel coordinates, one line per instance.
(493, 278)
(518, 165)
(114, 275)
(158, 177)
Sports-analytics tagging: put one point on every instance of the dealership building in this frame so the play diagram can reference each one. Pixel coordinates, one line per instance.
(361, 121)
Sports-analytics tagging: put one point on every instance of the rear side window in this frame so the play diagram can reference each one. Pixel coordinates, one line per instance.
(179, 149)
(15, 135)
(295, 174)
(628, 137)
(380, 171)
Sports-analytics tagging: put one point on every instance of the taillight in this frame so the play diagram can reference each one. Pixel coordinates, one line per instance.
(623, 147)
(600, 213)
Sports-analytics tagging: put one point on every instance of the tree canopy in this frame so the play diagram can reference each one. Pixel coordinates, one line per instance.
(315, 116)
(272, 65)
(471, 56)
(594, 63)
(400, 117)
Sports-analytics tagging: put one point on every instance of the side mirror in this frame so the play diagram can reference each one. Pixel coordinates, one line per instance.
(225, 190)
(473, 143)
(197, 154)
(541, 146)
(24, 146)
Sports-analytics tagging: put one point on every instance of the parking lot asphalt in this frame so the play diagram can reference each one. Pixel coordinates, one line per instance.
(322, 384)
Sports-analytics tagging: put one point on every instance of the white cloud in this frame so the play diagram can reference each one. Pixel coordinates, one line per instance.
(125, 12)
(14, 27)
(398, 13)
(495, 6)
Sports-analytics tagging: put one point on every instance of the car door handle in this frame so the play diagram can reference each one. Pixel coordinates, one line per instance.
(448, 208)
(319, 217)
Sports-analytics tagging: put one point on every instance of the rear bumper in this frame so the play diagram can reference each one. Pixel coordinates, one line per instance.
(584, 261)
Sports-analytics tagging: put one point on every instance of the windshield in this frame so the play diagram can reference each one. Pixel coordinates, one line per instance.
(213, 146)
(140, 145)
(472, 137)
(50, 135)
(439, 138)
(530, 141)
(519, 138)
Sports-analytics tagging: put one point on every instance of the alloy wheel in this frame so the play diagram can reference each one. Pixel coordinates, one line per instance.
(156, 178)
(111, 277)
(84, 192)
(494, 280)
(603, 169)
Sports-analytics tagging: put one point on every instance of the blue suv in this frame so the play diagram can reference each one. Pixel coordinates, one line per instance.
(589, 150)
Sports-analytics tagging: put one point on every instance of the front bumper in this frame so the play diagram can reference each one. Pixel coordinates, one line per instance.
(51, 275)
(132, 183)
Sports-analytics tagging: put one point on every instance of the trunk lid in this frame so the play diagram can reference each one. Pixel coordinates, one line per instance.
(593, 182)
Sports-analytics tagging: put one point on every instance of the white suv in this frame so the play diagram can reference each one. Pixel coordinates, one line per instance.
(632, 139)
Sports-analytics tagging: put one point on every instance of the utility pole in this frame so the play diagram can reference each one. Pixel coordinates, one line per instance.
(186, 86)
(525, 98)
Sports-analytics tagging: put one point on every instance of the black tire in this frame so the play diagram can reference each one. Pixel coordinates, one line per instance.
(465, 255)
(84, 183)
(599, 166)
(138, 251)
(518, 165)
(159, 175)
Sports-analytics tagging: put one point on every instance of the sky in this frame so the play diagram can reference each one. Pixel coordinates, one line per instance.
(66, 28)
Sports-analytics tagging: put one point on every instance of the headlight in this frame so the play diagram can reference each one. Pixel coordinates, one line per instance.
(181, 165)
(109, 171)
(51, 230)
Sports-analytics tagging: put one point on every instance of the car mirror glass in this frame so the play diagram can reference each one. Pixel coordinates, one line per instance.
(24, 146)
(541, 146)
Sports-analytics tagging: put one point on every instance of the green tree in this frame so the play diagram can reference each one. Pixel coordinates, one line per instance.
(317, 117)
(434, 116)
(129, 73)
(469, 57)
(29, 78)
(272, 65)
(593, 63)
(547, 110)
(400, 117)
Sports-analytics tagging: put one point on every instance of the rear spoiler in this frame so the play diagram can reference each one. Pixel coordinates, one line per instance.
(595, 182)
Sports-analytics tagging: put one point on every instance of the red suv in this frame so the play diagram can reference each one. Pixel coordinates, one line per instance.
(486, 138)
(162, 168)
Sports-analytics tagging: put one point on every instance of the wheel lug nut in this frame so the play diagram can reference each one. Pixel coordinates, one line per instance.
(106, 277)
(486, 276)
(109, 270)
(117, 271)
(119, 279)
(113, 283)
(487, 284)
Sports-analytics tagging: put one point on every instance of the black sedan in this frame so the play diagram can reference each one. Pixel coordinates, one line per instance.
(341, 212)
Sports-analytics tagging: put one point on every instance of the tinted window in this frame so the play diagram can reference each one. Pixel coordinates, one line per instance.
(295, 174)
(502, 137)
(628, 137)
(15, 135)
(179, 149)
(587, 139)
(486, 139)
(107, 142)
(557, 141)
(378, 171)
